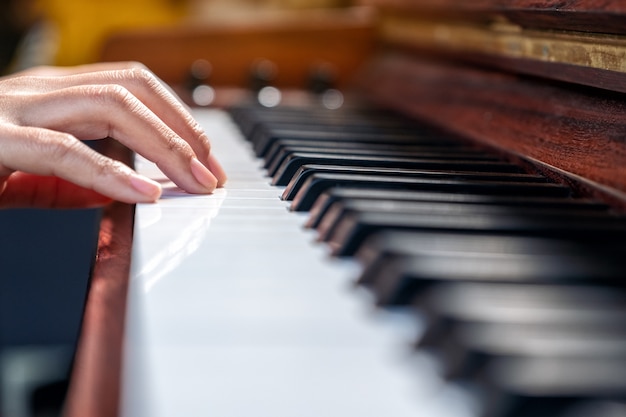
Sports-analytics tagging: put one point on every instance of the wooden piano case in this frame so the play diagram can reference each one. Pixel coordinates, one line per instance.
(542, 81)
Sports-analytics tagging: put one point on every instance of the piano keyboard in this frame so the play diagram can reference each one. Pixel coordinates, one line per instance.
(413, 275)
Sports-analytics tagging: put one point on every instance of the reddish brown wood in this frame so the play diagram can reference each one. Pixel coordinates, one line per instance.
(593, 77)
(94, 388)
(546, 19)
(587, 76)
(581, 132)
(296, 46)
(95, 380)
(599, 16)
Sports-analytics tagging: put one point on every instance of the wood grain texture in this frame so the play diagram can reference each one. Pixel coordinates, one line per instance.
(579, 132)
(587, 59)
(593, 77)
(599, 16)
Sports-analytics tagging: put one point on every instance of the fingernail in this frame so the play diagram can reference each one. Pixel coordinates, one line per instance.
(146, 186)
(203, 175)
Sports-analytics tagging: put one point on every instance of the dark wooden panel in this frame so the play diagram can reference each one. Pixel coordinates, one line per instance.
(600, 16)
(593, 77)
(583, 42)
(581, 132)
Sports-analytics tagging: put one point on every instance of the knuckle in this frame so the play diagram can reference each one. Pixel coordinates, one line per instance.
(142, 77)
(60, 147)
(98, 166)
(60, 150)
(65, 150)
(205, 142)
(108, 93)
(176, 144)
(204, 146)
(136, 65)
(117, 96)
(106, 167)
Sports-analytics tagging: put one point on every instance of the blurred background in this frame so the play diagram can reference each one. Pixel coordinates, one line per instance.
(73, 32)
(237, 44)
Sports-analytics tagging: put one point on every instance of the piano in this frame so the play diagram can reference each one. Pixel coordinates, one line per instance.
(448, 243)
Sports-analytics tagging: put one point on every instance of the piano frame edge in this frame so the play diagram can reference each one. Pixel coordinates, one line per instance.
(96, 374)
(95, 377)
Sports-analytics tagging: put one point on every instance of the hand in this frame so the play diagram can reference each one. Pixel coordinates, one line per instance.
(46, 113)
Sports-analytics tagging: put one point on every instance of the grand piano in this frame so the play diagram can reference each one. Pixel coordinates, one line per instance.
(448, 242)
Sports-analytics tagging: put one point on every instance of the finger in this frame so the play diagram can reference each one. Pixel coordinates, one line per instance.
(60, 71)
(92, 112)
(148, 89)
(167, 107)
(50, 153)
(26, 190)
(218, 171)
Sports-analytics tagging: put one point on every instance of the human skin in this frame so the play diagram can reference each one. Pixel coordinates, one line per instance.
(47, 112)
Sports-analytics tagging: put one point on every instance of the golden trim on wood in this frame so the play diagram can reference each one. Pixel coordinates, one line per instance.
(606, 52)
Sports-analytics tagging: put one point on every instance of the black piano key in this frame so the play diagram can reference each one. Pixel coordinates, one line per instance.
(280, 163)
(596, 408)
(545, 386)
(328, 198)
(291, 164)
(388, 250)
(321, 119)
(316, 184)
(400, 279)
(264, 142)
(339, 210)
(353, 228)
(453, 306)
(305, 171)
(466, 351)
(352, 120)
(249, 118)
(476, 328)
(285, 145)
(396, 244)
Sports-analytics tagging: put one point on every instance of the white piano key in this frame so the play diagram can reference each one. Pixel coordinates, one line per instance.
(234, 310)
